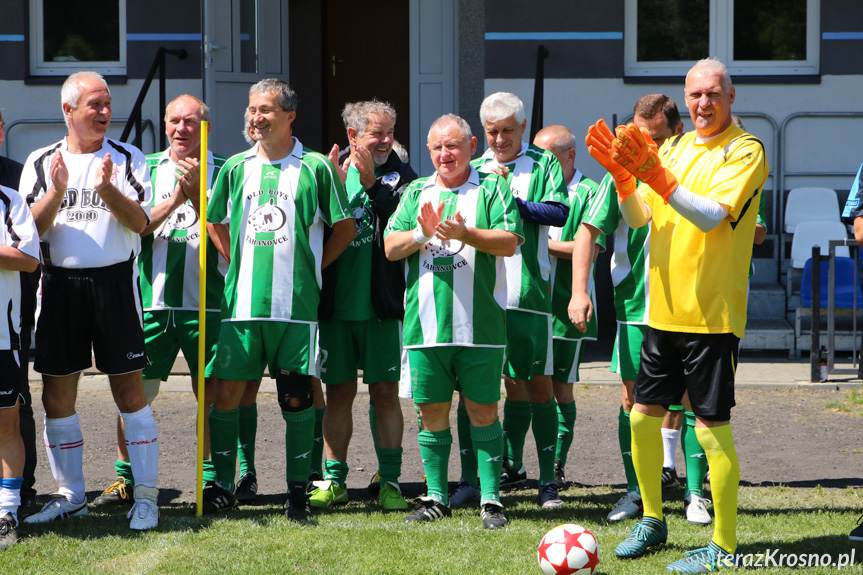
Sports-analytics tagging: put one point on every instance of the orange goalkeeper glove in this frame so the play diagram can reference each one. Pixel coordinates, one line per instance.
(599, 141)
(635, 151)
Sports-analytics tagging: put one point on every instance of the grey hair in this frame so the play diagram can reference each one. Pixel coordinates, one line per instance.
(401, 152)
(205, 109)
(356, 114)
(735, 119)
(287, 96)
(500, 106)
(246, 135)
(715, 66)
(451, 118)
(70, 93)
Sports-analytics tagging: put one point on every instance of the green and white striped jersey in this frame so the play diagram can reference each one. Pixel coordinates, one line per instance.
(278, 211)
(581, 194)
(169, 263)
(630, 262)
(534, 176)
(456, 295)
(353, 299)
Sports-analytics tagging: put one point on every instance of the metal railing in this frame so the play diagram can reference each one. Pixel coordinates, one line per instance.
(135, 118)
(784, 174)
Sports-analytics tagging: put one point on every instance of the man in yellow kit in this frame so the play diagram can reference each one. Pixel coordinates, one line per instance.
(702, 205)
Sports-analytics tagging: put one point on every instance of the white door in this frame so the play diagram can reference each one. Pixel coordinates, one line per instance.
(245, 41)
(433, 72)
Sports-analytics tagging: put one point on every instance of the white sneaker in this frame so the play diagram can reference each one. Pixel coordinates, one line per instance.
(696, 509)
(145, 511)
(628, 506)
(463, 494)
(57, 509)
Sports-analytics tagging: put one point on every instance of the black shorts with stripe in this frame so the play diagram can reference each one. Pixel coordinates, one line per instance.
(91, 308)
(703, 364)
(11, 378)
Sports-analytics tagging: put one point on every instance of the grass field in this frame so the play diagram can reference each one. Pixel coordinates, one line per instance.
(357, 539)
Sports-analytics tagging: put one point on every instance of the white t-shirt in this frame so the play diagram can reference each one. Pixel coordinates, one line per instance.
(85, 234)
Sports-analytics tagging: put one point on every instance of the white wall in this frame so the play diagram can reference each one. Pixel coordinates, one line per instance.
(20, 102)
(812, 144)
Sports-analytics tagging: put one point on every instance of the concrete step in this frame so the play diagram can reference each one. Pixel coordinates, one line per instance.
(766, 301)
(768, 334)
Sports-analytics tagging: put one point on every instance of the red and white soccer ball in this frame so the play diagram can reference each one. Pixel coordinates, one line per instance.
(568, 550)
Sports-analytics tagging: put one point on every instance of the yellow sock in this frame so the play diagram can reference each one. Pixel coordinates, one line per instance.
(718, 444)
(647, 459)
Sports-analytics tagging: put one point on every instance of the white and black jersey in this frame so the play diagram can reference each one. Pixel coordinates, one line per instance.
(18, 230)
(85, 234)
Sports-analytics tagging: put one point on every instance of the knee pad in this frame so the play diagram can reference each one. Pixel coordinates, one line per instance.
(294, 390)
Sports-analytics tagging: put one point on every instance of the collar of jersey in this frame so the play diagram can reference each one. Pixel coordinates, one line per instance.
(472, 179)
(297, 152)
(166, 157)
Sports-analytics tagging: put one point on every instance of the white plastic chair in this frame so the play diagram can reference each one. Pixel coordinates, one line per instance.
(811, 233)
(810, 204)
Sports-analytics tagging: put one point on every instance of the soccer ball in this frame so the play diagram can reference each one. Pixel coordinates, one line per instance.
(567, 550)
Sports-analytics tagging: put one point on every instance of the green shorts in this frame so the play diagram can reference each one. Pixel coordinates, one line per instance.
(371, 345)
(436, 370)
(168, 331)
(567, 356)
(528, 344)
(246, 347)
(626, 356)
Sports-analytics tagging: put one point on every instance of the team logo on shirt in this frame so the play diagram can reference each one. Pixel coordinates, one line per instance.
(363, 219)
(445, 249)
(268, 218)
(391, 179)
(82, 205)
(183, 218)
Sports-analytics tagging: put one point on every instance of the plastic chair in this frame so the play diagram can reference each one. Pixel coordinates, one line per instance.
(808, 234)
(845, 285)
(810, 204)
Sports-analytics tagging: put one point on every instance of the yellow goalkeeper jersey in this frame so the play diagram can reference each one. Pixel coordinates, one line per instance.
(698, 280)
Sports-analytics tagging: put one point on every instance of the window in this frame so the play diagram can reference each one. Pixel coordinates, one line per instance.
(68, 35)
(752, 37)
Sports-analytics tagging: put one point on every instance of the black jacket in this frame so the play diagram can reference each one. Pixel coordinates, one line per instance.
(388, 278)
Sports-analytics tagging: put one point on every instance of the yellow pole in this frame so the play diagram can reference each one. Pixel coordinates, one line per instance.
(202, 323)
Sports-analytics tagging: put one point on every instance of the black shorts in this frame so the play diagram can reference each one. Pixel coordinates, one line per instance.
(703, 364)
(96, 308)
(10, 378)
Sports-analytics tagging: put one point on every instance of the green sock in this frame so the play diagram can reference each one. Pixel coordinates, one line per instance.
(390, 464)
(693, 453)
(488, 447)
(566, 414)
(624, 438)
(299, 439)
(434, 451)
(124, 470)
(516, 421)
(246, 439)
(224, 430)
(209, 471)
(318, 449)
(466, 452)
(336, 471)
(545, 435)
(373, 425)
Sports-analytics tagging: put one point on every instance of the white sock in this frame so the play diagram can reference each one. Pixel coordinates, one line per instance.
(669, 443)
(142, 442)
(65, 445)
(10, 497)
